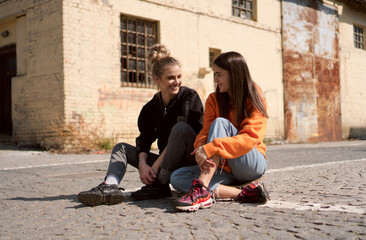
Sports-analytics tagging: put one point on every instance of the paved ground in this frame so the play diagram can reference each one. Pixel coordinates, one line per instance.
(318, 191)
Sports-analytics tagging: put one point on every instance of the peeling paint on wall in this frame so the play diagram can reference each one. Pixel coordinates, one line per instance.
(311, 71)
(123, 98)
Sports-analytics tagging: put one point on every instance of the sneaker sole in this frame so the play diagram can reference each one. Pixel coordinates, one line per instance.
(194, 208)
(92, 199)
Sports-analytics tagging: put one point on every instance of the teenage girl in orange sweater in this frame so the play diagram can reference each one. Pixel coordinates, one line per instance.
(229, 150)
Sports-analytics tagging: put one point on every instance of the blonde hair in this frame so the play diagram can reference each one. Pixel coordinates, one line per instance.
(159, 58)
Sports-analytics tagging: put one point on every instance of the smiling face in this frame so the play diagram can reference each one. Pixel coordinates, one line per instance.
(170, 80)
(221, 78)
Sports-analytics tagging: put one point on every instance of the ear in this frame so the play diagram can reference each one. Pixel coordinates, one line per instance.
(156, 80)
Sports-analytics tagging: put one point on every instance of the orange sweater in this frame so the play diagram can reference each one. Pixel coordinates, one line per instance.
(250, 134)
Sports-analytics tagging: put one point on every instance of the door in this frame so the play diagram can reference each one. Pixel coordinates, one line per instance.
(311, 71)
(7, 71)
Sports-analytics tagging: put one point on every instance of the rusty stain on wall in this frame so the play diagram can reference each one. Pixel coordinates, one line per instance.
(311, 71)
(123, 98)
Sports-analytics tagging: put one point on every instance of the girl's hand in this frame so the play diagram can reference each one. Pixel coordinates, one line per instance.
(200, 156)
(147, 174)
(208, 164)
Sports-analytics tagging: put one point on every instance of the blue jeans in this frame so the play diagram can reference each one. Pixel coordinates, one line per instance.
(245, 168)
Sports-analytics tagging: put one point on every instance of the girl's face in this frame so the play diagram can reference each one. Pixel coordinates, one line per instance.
(170, 81)
(221, 78)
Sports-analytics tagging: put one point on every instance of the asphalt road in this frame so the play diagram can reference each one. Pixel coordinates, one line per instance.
(318, 191)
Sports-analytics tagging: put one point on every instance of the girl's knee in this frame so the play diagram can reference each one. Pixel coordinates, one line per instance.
(181, 129)
(118, 146)
(221, 123)
(220, 120)
(180, 126)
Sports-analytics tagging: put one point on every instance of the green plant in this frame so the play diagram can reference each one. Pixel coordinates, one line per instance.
(106, 143)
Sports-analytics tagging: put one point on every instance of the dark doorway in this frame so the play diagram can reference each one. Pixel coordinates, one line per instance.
(7, 71)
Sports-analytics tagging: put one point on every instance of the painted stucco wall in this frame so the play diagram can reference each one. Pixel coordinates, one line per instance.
(352, 72)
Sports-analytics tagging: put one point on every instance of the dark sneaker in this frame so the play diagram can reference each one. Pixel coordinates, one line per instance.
(196, 198)
(155, 190)
(102, 194)
(254, 193)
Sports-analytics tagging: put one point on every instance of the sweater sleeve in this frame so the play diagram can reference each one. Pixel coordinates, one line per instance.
(209, 116)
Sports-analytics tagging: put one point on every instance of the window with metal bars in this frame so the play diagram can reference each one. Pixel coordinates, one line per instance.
(358, 37)
(137, 37)
(243, 9)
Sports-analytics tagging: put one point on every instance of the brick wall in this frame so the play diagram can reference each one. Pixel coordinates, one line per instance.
(353, 76)
(92, 71)
(37, 91)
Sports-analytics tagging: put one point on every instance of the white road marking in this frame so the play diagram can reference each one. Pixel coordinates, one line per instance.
(314, 207)
(314, 165)
(52, 165)
(316, 145)
(268, 171)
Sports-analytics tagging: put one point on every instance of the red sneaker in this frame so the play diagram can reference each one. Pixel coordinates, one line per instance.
(253, 193)
(197, 197)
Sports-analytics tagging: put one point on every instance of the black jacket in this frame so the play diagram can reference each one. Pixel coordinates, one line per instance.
(156, 121)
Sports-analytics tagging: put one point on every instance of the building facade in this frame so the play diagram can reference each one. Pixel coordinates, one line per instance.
(66, 60)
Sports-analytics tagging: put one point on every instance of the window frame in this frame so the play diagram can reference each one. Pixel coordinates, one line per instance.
(134, 67)
(359, 38)
(242, 7)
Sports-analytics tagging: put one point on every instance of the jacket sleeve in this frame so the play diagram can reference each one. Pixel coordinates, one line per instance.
(251, 133)
(195, 112)
(209, 116)
(147, 131)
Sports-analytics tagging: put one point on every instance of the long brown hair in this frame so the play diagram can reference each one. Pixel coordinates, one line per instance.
(242, 88)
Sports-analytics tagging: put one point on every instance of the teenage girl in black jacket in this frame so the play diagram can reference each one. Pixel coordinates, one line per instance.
(173, 117)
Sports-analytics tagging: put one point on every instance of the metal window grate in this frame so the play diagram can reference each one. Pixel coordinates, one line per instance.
(358, 37)
(137, 36)
(243, 8)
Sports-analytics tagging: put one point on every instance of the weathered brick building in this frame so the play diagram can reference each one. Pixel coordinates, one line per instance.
(63, 59)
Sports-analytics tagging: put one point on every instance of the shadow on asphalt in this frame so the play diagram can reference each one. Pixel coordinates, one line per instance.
(164, 204)
(13, 147)
(72, 197)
